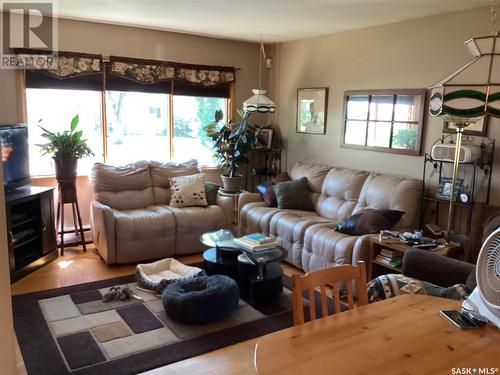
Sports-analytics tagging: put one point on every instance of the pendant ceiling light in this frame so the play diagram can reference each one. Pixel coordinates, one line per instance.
(259, 102)
(469, 94)
(474, 89)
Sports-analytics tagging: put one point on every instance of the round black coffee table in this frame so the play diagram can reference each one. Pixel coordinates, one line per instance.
(222, 257)
(258, 274)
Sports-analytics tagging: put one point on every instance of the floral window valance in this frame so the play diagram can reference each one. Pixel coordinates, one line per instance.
(141, 71)
(153, 71)
(60, 65)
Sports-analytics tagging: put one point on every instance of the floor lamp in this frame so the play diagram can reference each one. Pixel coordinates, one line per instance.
(460, 124)
(470, 93)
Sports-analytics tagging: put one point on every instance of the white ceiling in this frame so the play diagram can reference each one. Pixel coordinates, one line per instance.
(274, 20)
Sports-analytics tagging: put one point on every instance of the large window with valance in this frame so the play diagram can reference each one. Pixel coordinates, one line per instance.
(130, 109)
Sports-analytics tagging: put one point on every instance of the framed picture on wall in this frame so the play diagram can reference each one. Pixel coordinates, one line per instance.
(263, 138)
(311, 110)
(478, 128)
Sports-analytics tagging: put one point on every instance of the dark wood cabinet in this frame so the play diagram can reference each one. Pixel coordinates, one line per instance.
(30, 229)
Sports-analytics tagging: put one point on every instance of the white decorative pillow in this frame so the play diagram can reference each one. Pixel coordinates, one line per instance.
(188, 191)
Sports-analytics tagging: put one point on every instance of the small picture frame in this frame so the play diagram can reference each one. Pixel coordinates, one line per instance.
(444, 188)
(263, 138)
(312, 105)
(478, 128)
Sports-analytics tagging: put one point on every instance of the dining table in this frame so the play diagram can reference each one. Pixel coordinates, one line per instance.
(400, 335)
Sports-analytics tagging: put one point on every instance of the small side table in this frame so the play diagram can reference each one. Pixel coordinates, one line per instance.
(376, 268)
(236, 197)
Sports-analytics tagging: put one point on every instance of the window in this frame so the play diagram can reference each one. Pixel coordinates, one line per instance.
(55, 108)
(137, 127)
(384, 120)
(191, 114)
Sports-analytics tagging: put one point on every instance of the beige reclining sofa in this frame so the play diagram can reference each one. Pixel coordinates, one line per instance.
(131, 220)
(338, 193)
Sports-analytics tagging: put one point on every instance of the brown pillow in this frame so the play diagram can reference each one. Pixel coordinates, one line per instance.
(294, 195)
(267, 191)
(369, 221)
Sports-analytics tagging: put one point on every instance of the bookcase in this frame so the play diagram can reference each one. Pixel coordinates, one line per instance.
(30, 229)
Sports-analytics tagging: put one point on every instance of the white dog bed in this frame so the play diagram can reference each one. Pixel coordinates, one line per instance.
(157, 275)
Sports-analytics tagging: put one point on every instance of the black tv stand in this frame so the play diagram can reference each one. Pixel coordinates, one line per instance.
(31, 229)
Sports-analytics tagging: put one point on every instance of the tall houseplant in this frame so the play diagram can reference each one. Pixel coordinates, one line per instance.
(232, 142)
(66, 148)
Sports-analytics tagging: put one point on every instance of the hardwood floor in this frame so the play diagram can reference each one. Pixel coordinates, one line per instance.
(76, 267)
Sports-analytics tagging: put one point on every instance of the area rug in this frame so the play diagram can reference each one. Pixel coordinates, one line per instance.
(71, 331)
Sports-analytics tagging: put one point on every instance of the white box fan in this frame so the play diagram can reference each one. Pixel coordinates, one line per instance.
(486, 296)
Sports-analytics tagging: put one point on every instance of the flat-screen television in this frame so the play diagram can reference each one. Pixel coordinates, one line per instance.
(15, 155)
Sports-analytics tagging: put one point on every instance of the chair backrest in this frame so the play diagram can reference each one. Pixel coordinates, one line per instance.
(335, 278)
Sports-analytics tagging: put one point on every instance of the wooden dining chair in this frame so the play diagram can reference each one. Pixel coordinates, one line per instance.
(335, 278)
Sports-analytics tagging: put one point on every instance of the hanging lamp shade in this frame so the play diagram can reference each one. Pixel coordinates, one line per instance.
(259, 102)
(474, 89)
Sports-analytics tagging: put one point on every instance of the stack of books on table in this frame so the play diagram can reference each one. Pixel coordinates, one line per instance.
(256, 242)
(392, 258)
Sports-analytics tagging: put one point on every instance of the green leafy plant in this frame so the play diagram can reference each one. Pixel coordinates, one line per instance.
(232, 142)
(67, 144)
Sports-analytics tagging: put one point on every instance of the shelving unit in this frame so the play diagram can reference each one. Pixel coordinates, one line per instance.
(470, 172)
(265, 163)
(30, 229)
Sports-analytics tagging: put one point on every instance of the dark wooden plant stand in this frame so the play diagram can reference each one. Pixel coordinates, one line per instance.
(67, 195)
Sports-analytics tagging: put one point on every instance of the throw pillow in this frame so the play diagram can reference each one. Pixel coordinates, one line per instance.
(211, 191)
(369, 221)
(294, 195)
(188, 191)
(391, 285)
(267, 191)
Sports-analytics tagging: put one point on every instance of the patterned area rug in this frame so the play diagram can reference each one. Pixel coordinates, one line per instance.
(71, 331)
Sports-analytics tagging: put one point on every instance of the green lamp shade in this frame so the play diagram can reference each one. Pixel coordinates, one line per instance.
(474, 89)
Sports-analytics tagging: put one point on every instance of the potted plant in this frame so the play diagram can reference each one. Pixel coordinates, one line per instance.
(232, 142)
(66, 148)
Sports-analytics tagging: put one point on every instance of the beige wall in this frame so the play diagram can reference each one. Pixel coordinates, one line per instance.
(141, 43)
(411, 54)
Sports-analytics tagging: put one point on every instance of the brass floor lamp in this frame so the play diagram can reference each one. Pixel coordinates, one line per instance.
(470, 93)
(460, 124)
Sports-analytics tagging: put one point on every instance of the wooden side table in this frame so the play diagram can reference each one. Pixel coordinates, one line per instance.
(235, 196)
(376, 268)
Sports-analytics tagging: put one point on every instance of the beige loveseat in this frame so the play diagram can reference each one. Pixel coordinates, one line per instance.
(132, 221)
(338, 193)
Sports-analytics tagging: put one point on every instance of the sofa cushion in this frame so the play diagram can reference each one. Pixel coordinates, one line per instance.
(340, 193)
(124, 188)
(256, 217)
(289, 226)
(144, 234)
(315, 174)
(394, 193)
(324, 247)
(294, 195)
(161, 173)
(188, 191)
(191, 223)
(369, 221)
